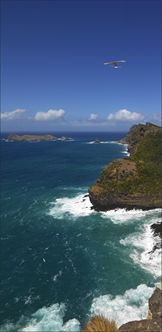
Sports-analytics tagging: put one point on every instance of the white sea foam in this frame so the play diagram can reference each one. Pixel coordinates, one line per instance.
(126, 153)
(119, 216)
(142, 244)
(105, 142)
(45, 319)
(132, 305)
(78, 206)
(125, 150)
(57, 276)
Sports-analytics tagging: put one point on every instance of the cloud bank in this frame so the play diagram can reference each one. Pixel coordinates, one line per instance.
(124, 115)
(51, 114)
(13, 115)
(56, 117)
(93, 116)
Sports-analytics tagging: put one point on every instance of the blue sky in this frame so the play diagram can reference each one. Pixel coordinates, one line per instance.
(53, 73)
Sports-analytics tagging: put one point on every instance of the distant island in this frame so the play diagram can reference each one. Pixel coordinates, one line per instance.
(36, 138)
(134, 182)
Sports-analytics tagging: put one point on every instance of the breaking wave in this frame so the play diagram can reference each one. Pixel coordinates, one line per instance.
(124, 150)
(146, 249)
(132, 305)
(119, 216)
(78, 206)
(46, 319)
(104, 142)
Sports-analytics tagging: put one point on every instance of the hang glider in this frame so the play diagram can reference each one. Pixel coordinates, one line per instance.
(115, 63)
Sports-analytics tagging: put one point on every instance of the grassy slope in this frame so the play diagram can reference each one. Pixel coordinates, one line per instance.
(148, 157)
(148, 175)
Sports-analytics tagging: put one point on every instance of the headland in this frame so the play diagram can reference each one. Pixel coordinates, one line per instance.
(135, 181)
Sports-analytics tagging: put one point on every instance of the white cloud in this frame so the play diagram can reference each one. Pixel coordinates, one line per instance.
(17, 114)
(49, 115)
(93, 116)
(125, 115)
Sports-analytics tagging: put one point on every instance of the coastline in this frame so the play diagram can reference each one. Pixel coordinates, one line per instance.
(73, 214)
(135, 181)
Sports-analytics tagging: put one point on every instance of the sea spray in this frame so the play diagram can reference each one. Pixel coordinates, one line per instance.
(132, 305)
(46, 319)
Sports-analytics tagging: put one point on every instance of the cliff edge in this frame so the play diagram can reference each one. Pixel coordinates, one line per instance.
(134, 182)
(153, 322)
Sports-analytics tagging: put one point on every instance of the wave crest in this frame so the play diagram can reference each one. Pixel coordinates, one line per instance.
(78, 206)
(146, 249)
(46, 319)
(132, 305)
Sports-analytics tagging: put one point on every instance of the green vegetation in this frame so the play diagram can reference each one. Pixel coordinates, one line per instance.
(137, 133)
(141, 173)
(148, 158)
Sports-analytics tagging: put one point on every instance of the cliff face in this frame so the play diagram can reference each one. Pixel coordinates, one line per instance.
(137, 133)
(134, 182)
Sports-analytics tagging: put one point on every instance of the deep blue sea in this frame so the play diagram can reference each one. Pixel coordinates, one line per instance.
(62, 262)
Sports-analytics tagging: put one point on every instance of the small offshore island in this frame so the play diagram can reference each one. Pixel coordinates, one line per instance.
(135, 181)
(36, 138)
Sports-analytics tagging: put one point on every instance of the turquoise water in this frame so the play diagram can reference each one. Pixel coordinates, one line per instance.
(56, 252)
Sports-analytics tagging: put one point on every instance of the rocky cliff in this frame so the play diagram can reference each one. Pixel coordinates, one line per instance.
(136, 134)
(134, 182)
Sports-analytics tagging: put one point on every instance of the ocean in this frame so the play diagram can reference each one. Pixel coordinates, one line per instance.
(62, 262)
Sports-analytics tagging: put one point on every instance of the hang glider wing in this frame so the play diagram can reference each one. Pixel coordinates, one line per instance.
(114, 63)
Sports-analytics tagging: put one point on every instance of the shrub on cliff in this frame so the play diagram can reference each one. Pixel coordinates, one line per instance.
(100, 324)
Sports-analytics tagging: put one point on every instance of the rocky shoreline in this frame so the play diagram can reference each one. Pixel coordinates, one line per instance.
(152, 323)
(136, 181)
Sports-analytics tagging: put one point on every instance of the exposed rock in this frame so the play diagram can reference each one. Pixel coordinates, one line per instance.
(141, 326)
(157, 228)
(97, 141)
(134, 182)
(155, 304)
(153, 323)
(137, 133)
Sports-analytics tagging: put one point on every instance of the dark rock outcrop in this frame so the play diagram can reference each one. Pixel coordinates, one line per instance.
(134, 182)
(157, 229)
